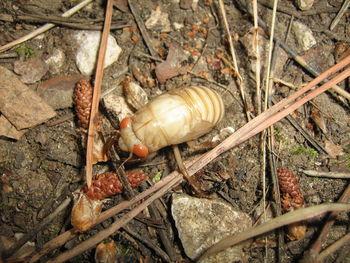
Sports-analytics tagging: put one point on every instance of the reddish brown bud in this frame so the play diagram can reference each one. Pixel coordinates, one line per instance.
(291, 199)
(82, 98)
(288, 182)
(107, 184)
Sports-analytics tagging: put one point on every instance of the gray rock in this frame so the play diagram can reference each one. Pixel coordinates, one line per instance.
(304, 36)
(158, 21)
(56, 61)
(304, 4)
(135, 95)
(202, 223)
(116, 107)
(58, 91)
(31, 70)
(89, 42)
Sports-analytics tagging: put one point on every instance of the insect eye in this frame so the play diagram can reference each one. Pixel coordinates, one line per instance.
(126, 123)
(140, 150)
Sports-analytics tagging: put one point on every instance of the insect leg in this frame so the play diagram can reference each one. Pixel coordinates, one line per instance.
(183, 170)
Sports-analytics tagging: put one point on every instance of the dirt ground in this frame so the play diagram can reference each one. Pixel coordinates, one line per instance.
(46, 164)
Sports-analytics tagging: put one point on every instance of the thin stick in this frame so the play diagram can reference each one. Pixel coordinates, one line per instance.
(149, 243)
(272, 32)
(327, 174)
(97, 91)
(44, 28)
(142, 29)
(298, 14)
(342, 10)
(234, 59)
(256, 44)
(332, 248)
(62, 21)
(38, 228)
(268, 91)
(285, 219)
(184, 171)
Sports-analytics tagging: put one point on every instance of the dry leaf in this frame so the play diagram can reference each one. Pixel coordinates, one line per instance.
(332, 149)
(317, 117)
(172, 66)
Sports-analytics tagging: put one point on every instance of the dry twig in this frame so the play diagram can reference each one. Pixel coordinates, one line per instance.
(97, 91)
(44, 28)
(234, 59)
(327, 174)
(341, 12)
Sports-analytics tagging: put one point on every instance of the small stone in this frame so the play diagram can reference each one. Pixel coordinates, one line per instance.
(202, 223)
(89, 42)
(135, 95)
(31, 70)
(186, 4)
(304, 4)
(195, 5)
(56, 61)
(223, 134)
(304, 36)
(8, 130)
(158, 21)
(117, 107)
(20, 104)
(58, 91)
(178, 26)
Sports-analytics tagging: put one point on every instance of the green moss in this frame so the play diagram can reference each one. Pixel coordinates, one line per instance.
(279, 136)
(26, 52)
(43, 166)
(157, 177)
(310, 152)
(347, 157)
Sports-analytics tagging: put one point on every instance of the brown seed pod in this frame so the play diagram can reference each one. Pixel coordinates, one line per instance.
(82, 98)
(289, 188)
(107, 184)
(106, 253)
(85, 212)
(291, 199)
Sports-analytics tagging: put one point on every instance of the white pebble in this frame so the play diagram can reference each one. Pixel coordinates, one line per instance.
(55, 61)
(304, 36)
(89, 42)
(304, 4)
(158, 21)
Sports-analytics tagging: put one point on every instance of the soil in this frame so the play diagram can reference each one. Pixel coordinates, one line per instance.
(45, 165)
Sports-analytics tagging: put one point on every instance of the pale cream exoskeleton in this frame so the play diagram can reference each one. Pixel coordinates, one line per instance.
(180, 115)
